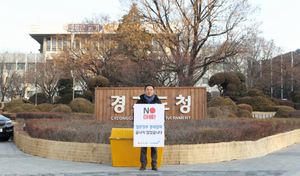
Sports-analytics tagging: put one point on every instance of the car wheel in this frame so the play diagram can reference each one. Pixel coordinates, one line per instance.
(4, 138)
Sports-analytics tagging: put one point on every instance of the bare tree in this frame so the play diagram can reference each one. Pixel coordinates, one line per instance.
(8, 75)
(285, 74)
(88, 52)
(47, 76)
(195, 34)
(17, 85)
(254, 62)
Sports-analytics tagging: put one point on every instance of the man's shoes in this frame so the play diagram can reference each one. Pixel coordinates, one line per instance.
(143, 167)
(154, 168)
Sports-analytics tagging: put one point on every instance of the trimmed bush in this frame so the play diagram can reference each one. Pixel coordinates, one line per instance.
(16, 110)
(82, 105)
(241, 76)
(66, 99)
(258, 103)
(278, 107)
(98, 81)
(234, 95)
(296, 98)
(255, 92)
(194, 131)
(27, 107)
(215, 102)
(52, 115)
(34, 110)
(44, 107)
(228, 109)
(245, 107)
(243, 113)
(231, 104)
(62, 108)
(274, 100)
(14, 103)
(286, 103)
(231, 115)
(297, 106)
(294, 114)
(283, 112)
(223, 103)
(88, 95)
(231, 87)
(209, 97)
(214, 112)
(11, 116)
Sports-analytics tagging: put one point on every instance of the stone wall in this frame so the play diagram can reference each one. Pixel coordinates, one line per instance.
(172, 154)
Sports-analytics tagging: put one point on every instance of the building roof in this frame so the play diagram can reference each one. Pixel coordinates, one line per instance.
(40, 30)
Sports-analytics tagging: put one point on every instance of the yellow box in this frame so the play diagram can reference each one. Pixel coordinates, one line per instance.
(124, 154)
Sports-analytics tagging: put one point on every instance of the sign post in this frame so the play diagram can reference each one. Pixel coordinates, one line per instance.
(148, 125)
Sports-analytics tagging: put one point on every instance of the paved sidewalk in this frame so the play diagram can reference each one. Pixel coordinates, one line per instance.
(14, 162)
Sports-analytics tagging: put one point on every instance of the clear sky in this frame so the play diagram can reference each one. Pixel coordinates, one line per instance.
(280, 19)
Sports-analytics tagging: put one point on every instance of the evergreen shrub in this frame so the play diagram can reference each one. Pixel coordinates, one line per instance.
(245, 107)
(14, 103)
(231, 115)
(234, 95)
(296, 98)
(297, 106)
(225, 104)
(258, 103)
(41, 98)
(34, 110)
(283, 112)
(16, 110)
(27, 107)
(44, 107)
(217, 101)
(62, 108)
(98, 81)
(214, 112)
(286, 103)
(294, 114)
(88, 95)
(82, 105)
(66, 99)
(243, 113)
(255, 92)
(274, 100)
(278, 107)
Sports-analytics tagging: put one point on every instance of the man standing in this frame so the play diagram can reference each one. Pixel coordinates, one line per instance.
(148, 98)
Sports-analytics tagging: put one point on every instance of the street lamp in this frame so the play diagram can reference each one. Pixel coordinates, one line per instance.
(73, 76)
(35, 102)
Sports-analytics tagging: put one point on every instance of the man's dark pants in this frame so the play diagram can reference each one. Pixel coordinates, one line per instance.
(143, 157)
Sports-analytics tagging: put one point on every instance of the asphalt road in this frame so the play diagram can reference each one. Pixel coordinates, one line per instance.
(14, 162)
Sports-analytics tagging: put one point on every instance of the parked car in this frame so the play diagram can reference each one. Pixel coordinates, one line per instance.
(6, 128)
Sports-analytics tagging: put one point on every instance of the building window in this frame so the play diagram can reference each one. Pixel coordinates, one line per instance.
(48, 44)
(66, 43)
(53, 44)
(10, 66)
(21, 66)
(31, 66)
(77, 44)
(59, 44)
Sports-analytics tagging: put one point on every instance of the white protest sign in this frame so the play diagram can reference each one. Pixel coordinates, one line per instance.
(148, 127)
